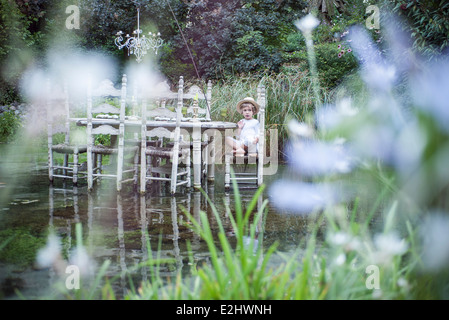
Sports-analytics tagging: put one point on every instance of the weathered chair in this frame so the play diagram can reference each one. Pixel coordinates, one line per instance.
(197, 108)
(195, 102)
(109, 121)
(58, 122)
(161, 162)
(253, 166)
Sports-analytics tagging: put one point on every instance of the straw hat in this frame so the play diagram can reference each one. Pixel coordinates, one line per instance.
(248, 100)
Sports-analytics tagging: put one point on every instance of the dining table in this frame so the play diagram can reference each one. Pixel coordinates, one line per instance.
(194, 126)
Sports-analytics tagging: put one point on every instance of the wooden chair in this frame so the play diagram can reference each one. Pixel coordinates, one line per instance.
(194, 102)
(58, 122)
(124, 171)
(161, 162)
(253, 166)
(162, 102)
(197, 104)
(197, 108)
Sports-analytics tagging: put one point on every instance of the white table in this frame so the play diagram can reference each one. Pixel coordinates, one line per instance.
(194, 127)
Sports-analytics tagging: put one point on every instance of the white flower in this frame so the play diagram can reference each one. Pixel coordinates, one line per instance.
(376, 141)
(340, 259)
(363, 46)
(344, 240)
(430, 94)
(307, 23)
(317, 158)
(81, 259)
(51, 253)
(379, 76)
(403, 283)
(409, 147)
(300, 129)
(377, 294)
(387, 247)
(330, 116)
(345, 108)
(390, 244)
(339, 238)
(435, 235)
(302, 198)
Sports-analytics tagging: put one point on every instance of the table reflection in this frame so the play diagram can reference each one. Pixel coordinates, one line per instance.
(132, 229)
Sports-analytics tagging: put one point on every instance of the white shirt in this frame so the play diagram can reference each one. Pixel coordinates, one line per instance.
(250, 131)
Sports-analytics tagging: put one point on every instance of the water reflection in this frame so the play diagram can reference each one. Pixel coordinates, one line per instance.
(117, 228)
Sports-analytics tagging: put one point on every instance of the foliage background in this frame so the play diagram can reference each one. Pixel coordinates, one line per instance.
(229, 40)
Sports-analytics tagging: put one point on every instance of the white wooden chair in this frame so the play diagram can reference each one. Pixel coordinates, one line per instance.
(197, 106)
(58, 122)
(124, 171)
(197, 103)
(162, 162)
(252, 166)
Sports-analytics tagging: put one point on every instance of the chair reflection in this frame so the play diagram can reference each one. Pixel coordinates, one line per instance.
(131, 230)
(121, 229)
(64, 213)
(163, 227)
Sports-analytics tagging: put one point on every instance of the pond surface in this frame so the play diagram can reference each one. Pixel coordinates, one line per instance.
(114, 227)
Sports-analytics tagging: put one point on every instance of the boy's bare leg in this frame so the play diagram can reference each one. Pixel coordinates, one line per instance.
(240, 152)
(252, 150)
(231, 142)
(235, 146)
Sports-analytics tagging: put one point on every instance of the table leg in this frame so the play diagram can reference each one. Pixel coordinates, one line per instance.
(196, 138)
(211, 162)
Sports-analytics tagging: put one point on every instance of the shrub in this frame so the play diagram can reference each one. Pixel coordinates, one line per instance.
(331, 66)
(427, 22)
(9, 123)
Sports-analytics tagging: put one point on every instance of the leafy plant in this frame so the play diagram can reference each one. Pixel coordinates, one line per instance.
(427, 23)
(9, 124)
(332, 65)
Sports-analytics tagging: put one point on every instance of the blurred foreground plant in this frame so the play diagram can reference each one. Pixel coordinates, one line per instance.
(382, 152)
(77, 277)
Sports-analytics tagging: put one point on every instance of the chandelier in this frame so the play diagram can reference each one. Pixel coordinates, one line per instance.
(138, 45)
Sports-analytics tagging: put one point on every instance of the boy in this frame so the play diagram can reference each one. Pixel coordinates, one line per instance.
(248, 129)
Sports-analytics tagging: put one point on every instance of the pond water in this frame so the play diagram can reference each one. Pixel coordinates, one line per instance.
(114, 227)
